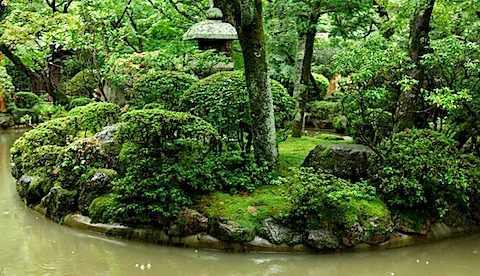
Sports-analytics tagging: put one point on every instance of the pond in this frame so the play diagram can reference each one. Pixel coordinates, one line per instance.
(33, 245)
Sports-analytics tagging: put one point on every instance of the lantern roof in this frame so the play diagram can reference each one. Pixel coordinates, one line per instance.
(212, 29)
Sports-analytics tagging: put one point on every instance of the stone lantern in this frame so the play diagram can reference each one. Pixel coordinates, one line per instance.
(212, 33)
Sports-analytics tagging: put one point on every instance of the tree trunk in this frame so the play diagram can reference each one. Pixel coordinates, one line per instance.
(417, 47)
(247, 15)
(39, 77)
(302, 74)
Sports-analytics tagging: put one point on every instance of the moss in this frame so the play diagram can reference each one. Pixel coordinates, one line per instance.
(59, 202)
(247, 210)
(293, 151)
(101, 207)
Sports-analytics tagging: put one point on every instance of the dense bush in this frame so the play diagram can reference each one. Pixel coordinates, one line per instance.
(79, 102)
(96, 115)
(324, 201)
(323, 109)
(163, 87)
(82, 84)
(162, 154)
(322, 83)
(222, 100)
(26, 100)
(167, 158)
(423, 170)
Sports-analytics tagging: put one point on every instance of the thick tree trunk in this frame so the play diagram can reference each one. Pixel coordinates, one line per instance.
(247, 15)
(417, 47)
(302, 74)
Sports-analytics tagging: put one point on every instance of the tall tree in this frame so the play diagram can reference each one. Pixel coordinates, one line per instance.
(307, 15)
(418, 45)
(247, 16)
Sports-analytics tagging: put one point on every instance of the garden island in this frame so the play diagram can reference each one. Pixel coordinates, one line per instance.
(139, 134)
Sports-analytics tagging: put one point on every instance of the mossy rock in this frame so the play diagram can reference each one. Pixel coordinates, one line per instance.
(230, 231)
(93, 184)
(347, 161)
(59, 203)
(6, 120)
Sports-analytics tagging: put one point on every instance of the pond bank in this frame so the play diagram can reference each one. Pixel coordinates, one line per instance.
(438, 231)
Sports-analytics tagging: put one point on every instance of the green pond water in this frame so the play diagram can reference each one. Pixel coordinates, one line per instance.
(33, 245)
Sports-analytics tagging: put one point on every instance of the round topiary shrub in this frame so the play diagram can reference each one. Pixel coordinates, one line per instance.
(222, 100)
(323, 85)
(422, 170)
(83, 84)
(26, 100)
(323, 110)
(162, 87)
(94, 116)
(79, 102)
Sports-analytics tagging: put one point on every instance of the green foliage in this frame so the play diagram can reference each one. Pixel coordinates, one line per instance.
(323, 84)
(82, 85)
(79, 157)
(100, 209)
(26, 100)
(79, 102)
(6, 86)
(162, 154)
(222, 100)
(163, 87)
(94, 116)
(59, 131)
(422, 170)
(323, 200)
(375, 69)
(323, 110)
(45, 111)
(169, 157)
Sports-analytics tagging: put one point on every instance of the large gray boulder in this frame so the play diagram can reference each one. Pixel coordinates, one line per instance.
(322, 239)
(279, 234)
(347, 161)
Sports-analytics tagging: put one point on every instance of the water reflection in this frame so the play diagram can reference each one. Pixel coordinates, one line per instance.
(33, 245)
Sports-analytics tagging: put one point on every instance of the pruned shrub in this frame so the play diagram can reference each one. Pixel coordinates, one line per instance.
(26, 100)
(79, 102)
(323, 110)
(83, 84)
(222, 100)
(96, 115)
(162, 87)
(423, 170)
(323, 83)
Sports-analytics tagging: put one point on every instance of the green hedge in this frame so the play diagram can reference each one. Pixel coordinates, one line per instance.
(222, 100)
(162, 87)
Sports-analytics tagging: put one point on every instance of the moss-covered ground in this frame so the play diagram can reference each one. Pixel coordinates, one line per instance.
(250, 209)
